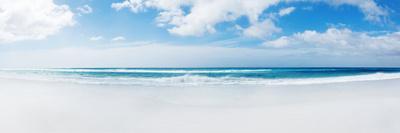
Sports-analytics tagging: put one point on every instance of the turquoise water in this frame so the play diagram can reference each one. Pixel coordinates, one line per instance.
(146, 76)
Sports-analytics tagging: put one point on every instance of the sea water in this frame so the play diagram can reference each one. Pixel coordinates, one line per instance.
(202, 76)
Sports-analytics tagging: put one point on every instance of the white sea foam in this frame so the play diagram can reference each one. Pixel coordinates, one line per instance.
(354, 78)
(196, 80)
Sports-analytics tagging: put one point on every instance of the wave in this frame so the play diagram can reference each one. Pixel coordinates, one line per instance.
(192, 80)
(195, 80)
(340, 79)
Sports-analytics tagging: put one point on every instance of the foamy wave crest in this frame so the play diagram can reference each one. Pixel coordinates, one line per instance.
(355, 78)
(197, 80)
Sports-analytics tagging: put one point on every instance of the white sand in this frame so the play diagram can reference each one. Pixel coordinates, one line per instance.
(44, 107)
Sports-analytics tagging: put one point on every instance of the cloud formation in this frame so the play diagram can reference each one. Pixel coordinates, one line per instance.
(85, 9)
(372, 11)
(118, 38)
(286, 11)
(203, 15)
(341, 39)
(96, 38)
(32, 20)
(261, 30)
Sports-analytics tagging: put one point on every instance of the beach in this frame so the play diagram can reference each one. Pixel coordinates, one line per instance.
(63, 107)
(199, 66)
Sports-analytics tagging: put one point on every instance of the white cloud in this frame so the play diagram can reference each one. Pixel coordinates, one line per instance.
(267, 27)
(286, 11)
(96, 38)
(118, 38)
(203, 15)
(278, 43)
(342, 39)
(85, 9)
(372, 11)
(32, 20)
(261, 30)
(133, 5)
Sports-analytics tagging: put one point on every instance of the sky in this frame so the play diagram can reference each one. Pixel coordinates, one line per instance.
(199, 33)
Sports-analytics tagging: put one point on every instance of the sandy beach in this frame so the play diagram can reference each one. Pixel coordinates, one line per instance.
(55, 107)
(199, 66)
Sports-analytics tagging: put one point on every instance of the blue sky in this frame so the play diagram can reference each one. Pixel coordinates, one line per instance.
(199, 33)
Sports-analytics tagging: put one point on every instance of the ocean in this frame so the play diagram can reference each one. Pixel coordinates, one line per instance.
(202, 76)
